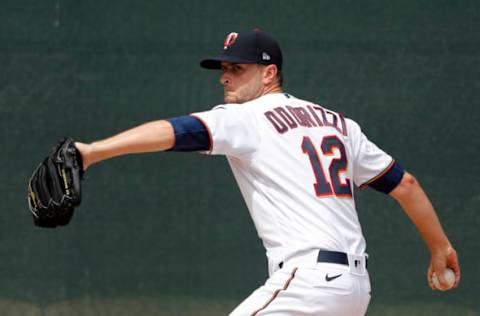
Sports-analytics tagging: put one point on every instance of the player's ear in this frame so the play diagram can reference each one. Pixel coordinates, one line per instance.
(269, 74)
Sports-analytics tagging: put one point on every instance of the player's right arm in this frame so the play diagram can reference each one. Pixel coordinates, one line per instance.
(369, 161)
(411, 197)
(149, 137)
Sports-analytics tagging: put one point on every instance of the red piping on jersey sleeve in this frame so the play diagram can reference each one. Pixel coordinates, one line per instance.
(379, 175)
(208, 130)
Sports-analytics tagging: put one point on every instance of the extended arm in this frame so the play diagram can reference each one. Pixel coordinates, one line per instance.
(148, 137)
(411, 197)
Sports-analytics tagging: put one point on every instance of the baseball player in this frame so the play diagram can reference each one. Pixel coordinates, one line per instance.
(296, 164)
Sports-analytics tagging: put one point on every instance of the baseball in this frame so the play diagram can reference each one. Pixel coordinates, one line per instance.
(449, 276)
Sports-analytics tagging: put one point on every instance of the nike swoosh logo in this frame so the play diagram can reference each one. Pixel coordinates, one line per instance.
(328, 279)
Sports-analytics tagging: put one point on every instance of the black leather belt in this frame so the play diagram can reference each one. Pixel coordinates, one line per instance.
(332, 257)
(329, 256)
(336, 257)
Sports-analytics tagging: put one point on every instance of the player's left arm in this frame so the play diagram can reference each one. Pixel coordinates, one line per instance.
(411, 197)
(184, 133)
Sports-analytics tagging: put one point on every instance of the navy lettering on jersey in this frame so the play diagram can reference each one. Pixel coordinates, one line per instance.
(332, 119)
(317, 119)
(286, 118)
(292, 112)
(302, 116)
(323, 187)
(276, 122)
(307, 118)
(337, 166)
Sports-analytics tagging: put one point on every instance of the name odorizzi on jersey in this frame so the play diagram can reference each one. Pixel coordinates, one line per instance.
(285, 118)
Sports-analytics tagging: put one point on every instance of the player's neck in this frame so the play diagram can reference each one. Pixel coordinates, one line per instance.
(272, 89)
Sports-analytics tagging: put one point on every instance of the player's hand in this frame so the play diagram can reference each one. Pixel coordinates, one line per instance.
(85, 151)
(442, 259)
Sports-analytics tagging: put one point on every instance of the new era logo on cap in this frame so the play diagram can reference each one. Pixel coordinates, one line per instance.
(247, 47)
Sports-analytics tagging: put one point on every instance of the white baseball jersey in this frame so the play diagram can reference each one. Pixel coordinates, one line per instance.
(295, 163)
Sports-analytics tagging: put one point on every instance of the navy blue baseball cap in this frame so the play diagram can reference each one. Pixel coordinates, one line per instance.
(247, 47)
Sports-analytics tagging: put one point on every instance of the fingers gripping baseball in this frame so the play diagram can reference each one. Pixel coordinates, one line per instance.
(441, 260)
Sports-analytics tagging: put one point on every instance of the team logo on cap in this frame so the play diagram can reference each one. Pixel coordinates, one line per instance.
(230, 40)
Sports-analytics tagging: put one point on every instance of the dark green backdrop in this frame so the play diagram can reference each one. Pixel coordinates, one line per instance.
(168, 233)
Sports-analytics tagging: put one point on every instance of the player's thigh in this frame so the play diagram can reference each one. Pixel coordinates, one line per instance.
(307, 292)
(332, 290)
(264, 296)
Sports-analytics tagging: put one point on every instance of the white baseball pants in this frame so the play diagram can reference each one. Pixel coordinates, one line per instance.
(319, 289)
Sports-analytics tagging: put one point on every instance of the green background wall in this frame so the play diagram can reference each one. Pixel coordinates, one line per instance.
(168, 233)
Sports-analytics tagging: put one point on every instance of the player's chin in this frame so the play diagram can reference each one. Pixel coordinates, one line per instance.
(235, 98)
(229, 97)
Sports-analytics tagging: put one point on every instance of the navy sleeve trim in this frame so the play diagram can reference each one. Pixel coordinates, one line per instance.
(191, 134)
(389, 180)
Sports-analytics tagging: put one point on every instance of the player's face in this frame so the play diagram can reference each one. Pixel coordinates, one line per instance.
(241, 82)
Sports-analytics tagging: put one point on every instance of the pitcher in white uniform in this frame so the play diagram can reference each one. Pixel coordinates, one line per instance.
(296, 164)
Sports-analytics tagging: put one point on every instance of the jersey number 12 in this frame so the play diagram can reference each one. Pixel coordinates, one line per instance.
(324, 187)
